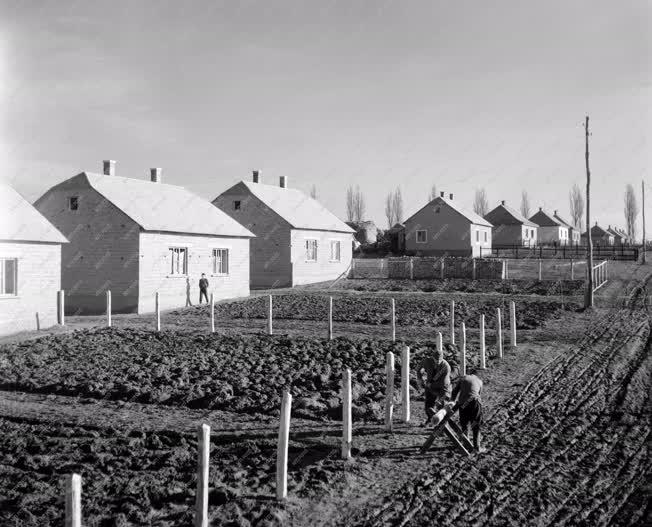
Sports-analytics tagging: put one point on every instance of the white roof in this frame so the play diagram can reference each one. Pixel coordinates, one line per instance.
(163, 207)
(299, 210)
(472, 217)
(20, 221)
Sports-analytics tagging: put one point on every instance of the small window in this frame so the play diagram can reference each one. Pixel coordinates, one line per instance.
(311, 250)
(335, 251)
(220, 261)
(236, 205)
(8, 276)
(532, 233)
(485, 236)
(437, 209)
(422, 236)
(73, 203)
(179, 260)
(477, 235)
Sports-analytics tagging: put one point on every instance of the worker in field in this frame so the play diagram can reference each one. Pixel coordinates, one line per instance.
(466, 396)
(438, 382)
(203, 288)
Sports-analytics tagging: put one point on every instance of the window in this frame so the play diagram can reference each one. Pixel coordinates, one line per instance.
(335, 251)
(236, 205)
(485, 236)
(532, 233)
(422, 236)
(179, 257)
(437, 209)
(311, 250)
(220, 261)
(73, 202)
(8, 276)
(527, 231)
(477, 235)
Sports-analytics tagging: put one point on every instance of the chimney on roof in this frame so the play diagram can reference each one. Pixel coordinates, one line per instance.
(283, 181)
(256, 176)
(450, 195)
(555, 212)
(441, 193)
(109, 167)
(156, 175)
(540, 208)
(502, 202)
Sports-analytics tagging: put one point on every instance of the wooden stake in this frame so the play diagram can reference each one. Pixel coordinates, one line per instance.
(61, 307)
(442, 272)
(483, 359)
(499, 334)
(389, 391)
(452, 322)
(158, 312)
(282, 451)
(463, 351)
(330, 318)
(473, 270)
(572, 270)
(73, 500)
(269, 315)
(346, 415)
(540, 271)
(203, 462)
(440, 342)
(411, 269)
(393, 317)
(108, 308)
(405, 384)
(212, 314)
(512, 323)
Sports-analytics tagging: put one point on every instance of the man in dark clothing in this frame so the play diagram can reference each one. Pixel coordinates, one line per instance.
(467, 392)
(203, 288)
(438, 382)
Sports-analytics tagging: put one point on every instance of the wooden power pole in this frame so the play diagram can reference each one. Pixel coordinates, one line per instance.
(588, 301)
(643, 211)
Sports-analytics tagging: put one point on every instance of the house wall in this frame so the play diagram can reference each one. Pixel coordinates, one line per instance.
(478, 244)
(307, 272)
(271, 259)
(39, 279)
(550, 235)
(174, 290)
(514, 235)
(448, 232)
(102, 253)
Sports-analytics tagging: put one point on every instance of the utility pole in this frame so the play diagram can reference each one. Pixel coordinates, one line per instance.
(643, 210)
(588, 301)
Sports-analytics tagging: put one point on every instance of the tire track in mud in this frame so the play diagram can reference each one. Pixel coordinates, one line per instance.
(506, 489)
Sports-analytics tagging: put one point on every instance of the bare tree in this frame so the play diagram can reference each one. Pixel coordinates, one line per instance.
(350, 204)
(525, 204)
(433, 193)
(576, 205)
(480, 203)
(398, 205)
(631, 211)
(358, 205)
(389, 210)
(313, 192)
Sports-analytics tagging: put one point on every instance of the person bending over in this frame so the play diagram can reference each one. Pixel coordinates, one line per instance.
(466, 395)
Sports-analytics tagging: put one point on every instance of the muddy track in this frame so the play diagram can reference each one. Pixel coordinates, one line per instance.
(572, 449)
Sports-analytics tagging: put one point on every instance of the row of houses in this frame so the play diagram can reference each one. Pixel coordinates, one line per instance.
(135, 237)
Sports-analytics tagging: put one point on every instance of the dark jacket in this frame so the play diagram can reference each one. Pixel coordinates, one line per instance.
(203, 284)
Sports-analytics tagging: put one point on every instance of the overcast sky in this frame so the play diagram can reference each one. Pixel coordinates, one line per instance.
(457, 94)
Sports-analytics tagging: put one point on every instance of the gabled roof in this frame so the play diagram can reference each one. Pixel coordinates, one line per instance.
(544, 219)
(163, 207)
(563, 222)
(503, 214)
(614, 231)
(600, 231)
(470, 216)
(20, 221)
(295, 207)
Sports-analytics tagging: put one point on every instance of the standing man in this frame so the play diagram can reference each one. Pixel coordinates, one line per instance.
(467, 392)
(203, 288)
(438, 382)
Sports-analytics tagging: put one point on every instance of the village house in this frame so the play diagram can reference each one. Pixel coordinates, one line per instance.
(298, 241)
(599, 236)
(574, 234)
(510, 227)
(137, 237)
(551, 230)
(619, 238)
(443, 227)
(30, 265)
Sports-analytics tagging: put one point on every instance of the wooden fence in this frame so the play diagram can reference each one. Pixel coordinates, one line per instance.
(423, 268)
(576, 252)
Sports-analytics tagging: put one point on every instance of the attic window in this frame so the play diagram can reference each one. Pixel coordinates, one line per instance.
(236, 205)
(437, 209)
(73, 202)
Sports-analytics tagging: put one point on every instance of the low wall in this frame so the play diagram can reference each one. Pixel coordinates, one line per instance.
(422, 268)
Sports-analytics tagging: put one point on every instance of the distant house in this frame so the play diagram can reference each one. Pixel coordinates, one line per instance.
(510, 227)
(599, 236)
(298, 241)
(551, 230)
(138, 237)
(574, 234)
(443, 227)
(30, 265)
(619, 238)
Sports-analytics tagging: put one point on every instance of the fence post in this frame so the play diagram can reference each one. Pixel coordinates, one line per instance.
(540, 270)
(473, 271)
(411, 268)
(330, 318)
(346, 415)
(499, 334)
(73, 500)
(512, 323)
(442, 264)
(440, 342)
(282, 450)
(203, 462)
(352, 267)
(269, 315)
(503, 271)
(108, 308)
(483, 359)
(507, 269)
(572, 269)
(405, 383)
(61, 307)
(452, 322)
(389, 390)
(393, 320)
(158, 311)
(463, 351)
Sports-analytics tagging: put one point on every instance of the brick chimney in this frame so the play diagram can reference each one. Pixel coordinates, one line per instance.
(450, 195)
(540, 209)
(555, 212)
(109, 167)
(256, 176)
(441, 193)
(502, 202)
(283, 182)
(156, 175)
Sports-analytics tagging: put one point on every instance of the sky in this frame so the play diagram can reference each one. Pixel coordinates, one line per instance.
(380, 94)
